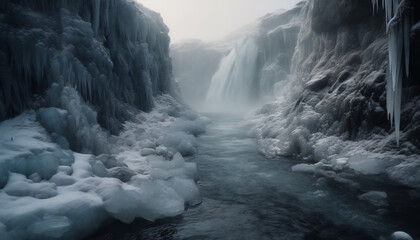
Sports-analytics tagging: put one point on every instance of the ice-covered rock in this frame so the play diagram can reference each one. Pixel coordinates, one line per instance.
(114, 53)
(49, 190)
(332, 108)
(401, 236)
(147, 151)
(376, 198)
(78, 81)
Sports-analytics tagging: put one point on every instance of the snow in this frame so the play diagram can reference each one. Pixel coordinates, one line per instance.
(51, 192)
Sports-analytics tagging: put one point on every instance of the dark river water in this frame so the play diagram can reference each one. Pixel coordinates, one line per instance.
(248, 196)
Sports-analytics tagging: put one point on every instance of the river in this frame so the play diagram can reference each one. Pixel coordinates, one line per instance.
(248, 196)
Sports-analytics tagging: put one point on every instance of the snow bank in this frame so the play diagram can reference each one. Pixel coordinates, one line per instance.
(50, 192)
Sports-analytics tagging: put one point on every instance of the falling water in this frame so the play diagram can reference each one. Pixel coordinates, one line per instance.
(235, 83)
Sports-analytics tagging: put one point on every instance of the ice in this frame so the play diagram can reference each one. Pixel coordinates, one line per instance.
(177, 167)
(399, 26)
(99, 169)
(407, 172)
(369, 165)
(187, 189)
(49, 190)
(93, 50)
(376, 198)
(62, 179)
(51, 226)
(124, 174)
(329, 110)
(32, 218)
(83, 86)
(147, 151)
(304, 167)
(20, 186)
(180, 142)
(400, 236)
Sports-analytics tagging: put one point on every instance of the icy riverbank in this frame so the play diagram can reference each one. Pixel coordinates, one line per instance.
(54, 193)
(331, 111)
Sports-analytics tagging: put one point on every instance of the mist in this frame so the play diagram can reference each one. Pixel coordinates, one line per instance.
(211, 19)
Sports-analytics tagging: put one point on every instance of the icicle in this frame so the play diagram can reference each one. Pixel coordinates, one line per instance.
(375, 5)
(407, 33)
(399, 29)
(96, 5)
(397, 107)
(389, 97)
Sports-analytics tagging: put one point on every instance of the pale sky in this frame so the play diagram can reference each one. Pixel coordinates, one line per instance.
(211, 19)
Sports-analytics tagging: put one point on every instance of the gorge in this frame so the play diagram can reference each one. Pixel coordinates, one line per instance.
(301, 125)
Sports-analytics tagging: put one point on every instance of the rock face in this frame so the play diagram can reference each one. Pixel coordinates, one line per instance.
(276, 39)
(334, 103)
(341, 62)
(114, 53)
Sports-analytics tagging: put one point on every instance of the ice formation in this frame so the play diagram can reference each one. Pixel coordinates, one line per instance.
(114, 53)
(49, 192)
(331, 110)
(401, 236)
(398, 19)
(79, 140)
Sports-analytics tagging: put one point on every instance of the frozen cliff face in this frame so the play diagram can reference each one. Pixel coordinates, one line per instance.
(71, 73)
(114, 53)
(333, 108)
(277, 38)
(401, 15)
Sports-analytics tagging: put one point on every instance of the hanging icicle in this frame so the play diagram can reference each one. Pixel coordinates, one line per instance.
(398, 19)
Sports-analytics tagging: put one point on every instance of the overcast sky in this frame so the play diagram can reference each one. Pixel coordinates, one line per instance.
(211, 19)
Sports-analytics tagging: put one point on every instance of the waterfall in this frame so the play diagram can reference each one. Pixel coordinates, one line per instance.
(235, 84)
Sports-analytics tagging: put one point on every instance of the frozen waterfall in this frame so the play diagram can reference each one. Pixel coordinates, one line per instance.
(235, 84)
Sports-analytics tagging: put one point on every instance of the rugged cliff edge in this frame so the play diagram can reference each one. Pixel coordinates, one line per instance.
(89, 129)
(334, 108)
(114, 53)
